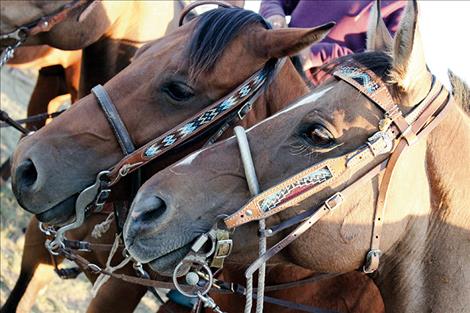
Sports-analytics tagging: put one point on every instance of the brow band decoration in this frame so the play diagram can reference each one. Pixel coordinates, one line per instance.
(208, 116)
(294, 189)
(360, 77)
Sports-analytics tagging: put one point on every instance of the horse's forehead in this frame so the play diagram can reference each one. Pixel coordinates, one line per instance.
(336, 101)
(171, 45)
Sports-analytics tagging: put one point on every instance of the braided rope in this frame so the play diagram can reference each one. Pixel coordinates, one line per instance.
(102, 227)
(103, 278)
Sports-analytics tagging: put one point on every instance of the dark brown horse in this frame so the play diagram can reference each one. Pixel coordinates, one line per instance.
(165, 95)
(110, 33)
(424, 241)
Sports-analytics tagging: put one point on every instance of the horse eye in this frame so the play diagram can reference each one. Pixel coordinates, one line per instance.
(317, 135)
(178, 91)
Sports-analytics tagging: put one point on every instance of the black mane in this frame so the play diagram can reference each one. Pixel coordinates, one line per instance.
(213, 32)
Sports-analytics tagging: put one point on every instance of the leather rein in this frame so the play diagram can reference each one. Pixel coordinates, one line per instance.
(42, 24)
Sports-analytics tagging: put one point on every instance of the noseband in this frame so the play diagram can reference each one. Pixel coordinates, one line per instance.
(43, 24)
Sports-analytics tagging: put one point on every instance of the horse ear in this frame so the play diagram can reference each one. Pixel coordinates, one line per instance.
(378, 36)
(278, 43)
(408, 56)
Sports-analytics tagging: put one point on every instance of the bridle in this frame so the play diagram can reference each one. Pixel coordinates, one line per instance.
(42, 24)
(378, 155)
(225, 112)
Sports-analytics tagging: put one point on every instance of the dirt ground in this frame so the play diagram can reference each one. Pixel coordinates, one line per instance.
(16, 87)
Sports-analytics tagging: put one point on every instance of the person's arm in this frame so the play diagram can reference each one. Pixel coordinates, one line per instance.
(323, 52)
(275, 11)
(270, 8)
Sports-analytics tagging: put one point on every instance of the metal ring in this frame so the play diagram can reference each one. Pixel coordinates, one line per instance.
(52, 246)
(94, 268)
(205, 267)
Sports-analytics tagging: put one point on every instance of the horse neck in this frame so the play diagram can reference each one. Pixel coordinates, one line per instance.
(429, 268)
(284, 89)
(138, 22)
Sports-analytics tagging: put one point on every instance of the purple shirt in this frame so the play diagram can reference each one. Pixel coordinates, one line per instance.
(351, 17)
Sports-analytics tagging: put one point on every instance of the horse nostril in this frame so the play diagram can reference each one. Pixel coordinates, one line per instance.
(26, 175)
(149, 209)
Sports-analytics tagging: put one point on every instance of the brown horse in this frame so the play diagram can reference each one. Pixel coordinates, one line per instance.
(59, 74)
(425, 243)
(110, 33)
(165, 93)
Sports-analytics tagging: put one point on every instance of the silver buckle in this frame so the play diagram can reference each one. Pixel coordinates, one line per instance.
(372, 261)
(244, 110)
(101, 199)
(223, 248)
(334, 201)
(380, 143)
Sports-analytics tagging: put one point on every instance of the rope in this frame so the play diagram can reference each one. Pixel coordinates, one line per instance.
(102, 227)
(103, 278)
(253, 185)
(262, 269)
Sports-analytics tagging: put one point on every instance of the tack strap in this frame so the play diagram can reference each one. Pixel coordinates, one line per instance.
(194, 125)
(114, 120)
(221, 286)
(303, 185)
(420, 128)
(370, 85)
(44, 23)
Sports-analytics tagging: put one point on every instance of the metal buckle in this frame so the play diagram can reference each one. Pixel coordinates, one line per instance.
(101, 199)
(380, 143)
(223, 248)
(372, 261)
(201, 241)
(334, 201)
(244, 110)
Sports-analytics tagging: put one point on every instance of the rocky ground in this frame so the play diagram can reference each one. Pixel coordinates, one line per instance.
(16, 87)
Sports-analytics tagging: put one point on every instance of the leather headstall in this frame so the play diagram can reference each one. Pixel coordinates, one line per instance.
(379, 154)
(239, 101)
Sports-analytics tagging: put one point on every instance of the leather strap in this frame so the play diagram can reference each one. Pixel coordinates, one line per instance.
(372, 258)
(44, 23)
(114, 120)
(370, 85)
(329, 205)
(303, 185)
(194, 125)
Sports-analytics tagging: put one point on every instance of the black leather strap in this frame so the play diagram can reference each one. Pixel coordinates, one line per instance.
(114, 119)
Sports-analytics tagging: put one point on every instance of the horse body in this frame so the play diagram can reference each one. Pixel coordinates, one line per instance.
(424, 242)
